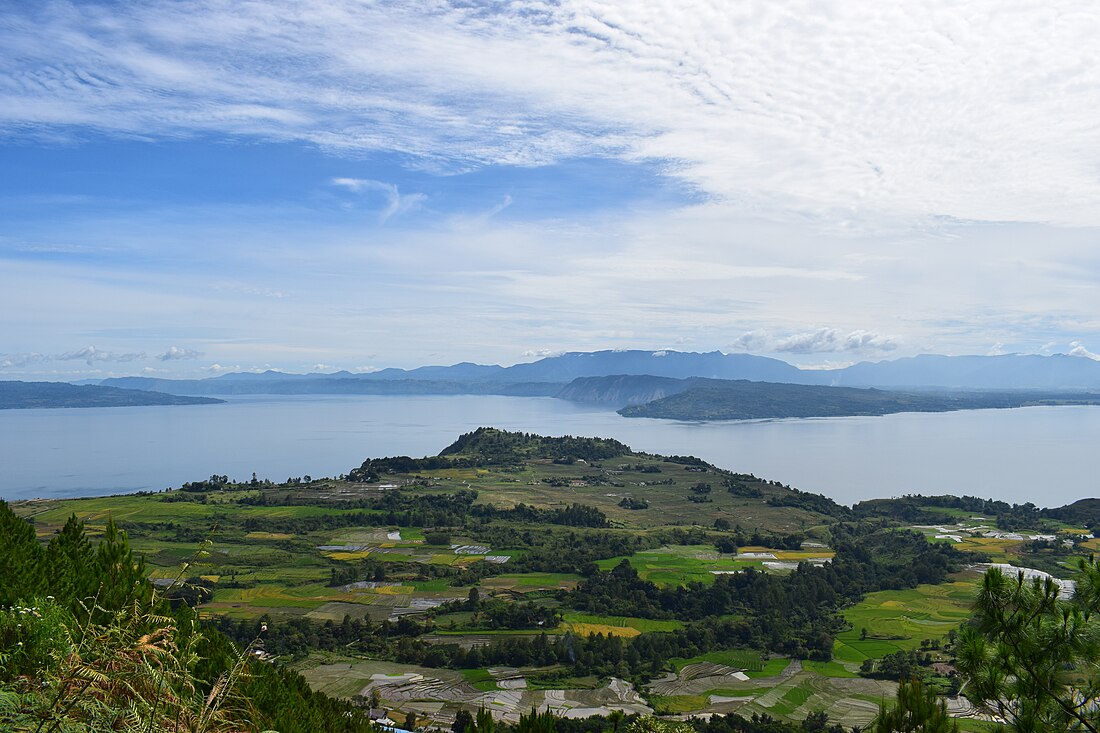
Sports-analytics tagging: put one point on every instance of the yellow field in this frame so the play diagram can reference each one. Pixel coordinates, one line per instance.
(359, 555)
(393, 590)
(582, 629)
(268, 536)
(799, 555)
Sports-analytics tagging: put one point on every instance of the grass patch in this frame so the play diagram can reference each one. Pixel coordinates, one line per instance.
(771, 668)
(479, 679)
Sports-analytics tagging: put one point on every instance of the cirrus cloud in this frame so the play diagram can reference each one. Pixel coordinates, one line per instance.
(916, 109)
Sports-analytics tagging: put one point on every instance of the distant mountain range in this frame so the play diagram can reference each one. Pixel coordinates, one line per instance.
(547, 376)
(28, 395)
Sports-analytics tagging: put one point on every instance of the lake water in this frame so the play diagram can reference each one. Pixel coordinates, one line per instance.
(1046, 455)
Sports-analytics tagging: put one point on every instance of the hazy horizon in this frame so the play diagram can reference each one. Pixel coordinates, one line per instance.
(529, 360)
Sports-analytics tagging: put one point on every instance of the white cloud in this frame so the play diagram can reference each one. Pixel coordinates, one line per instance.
(175, 353)
(320, 367)
(396, 202)
(848, 110)
(752, 341)
(1078, 349)
(10, 361)
(539, 353)
(819, 341)
(90, 355)
(220, 369)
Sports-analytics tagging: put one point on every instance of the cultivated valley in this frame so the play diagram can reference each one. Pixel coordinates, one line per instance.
(514, 572)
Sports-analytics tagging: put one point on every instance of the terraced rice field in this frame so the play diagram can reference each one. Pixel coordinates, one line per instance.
(790, 689)
(436, 693)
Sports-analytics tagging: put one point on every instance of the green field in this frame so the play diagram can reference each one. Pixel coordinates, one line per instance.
(900, 620)
(479, 679)
(793, 699)
(644, 625)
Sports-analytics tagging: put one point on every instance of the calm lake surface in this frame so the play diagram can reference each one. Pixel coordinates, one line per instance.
(1046, 455)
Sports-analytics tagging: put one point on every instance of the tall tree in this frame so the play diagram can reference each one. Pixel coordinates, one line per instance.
(916, 711)
(463, 721)
(1030, 656)
(536, 722)
(483, 723)
(21, 568)
(121, 577)
(71, 565)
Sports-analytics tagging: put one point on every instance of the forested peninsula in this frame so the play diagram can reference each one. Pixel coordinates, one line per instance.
(29, 395)
(722, 399)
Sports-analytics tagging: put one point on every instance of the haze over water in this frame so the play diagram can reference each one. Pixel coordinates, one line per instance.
(1038, 454)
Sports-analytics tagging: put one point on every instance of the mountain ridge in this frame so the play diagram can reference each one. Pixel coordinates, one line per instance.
(925, 371)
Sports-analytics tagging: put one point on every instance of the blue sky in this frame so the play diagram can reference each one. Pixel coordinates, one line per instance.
(189, 189)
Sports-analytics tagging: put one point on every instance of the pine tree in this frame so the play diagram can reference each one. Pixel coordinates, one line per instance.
(1030, 657)
(121, 578)
(70, 565)
(537, 722)
(917, 711)
(21, 568)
